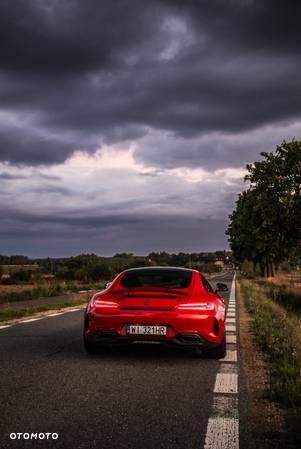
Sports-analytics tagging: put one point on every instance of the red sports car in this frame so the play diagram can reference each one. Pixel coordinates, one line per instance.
(157, 305)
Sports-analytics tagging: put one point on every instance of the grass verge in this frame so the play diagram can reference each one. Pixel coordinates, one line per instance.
(44, 291)
(12, 314)
(278, 333)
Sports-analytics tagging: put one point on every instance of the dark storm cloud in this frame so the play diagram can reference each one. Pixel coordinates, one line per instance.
(266, 24)
(85, 73)
(25, 146)
(162, 85)
(73, 220)
(71, 36)
(108, 234)
(212, 150)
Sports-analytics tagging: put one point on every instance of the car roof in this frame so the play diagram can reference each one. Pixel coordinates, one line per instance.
(161, 268)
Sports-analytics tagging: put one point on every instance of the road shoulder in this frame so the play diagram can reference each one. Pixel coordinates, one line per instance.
(266, 420)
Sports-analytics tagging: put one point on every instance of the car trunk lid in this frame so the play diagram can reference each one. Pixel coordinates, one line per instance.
(150, 299)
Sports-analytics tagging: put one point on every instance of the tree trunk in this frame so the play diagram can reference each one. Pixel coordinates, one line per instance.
(261, 264)
(267, 269)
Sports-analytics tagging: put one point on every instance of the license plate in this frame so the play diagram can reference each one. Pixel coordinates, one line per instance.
(146, 330)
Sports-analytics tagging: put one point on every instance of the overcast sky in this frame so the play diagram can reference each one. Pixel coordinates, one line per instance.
(126, 125)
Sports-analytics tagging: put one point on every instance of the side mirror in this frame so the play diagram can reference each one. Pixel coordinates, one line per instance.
(221, 287)
(107, 285)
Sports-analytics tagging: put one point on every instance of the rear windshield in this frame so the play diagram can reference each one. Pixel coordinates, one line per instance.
(157, 278)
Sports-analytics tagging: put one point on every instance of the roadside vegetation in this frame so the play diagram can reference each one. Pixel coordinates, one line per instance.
(8, 314)
(276, 323)
(90, 268)
(25, 279)
(43, 291)
(265, 227)
(265, 239)
(38, 291)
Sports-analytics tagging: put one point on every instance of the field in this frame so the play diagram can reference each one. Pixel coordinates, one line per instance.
(16, 288)
(292, 279)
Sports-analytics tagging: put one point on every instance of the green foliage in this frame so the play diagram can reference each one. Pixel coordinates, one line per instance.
(13, 260)
(279, 335)
(11, 313)
(20, 276)
(90, 268)
(265, 227)
(199, 261)
(44, 290)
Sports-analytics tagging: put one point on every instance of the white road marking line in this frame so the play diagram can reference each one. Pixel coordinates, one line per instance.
(231, 356)
(5, 326)
(231, 315)
(73, 310)
(222, 433)
(228, 368)
(226, 383)
(223, 425)
(55, 314)
(31, 320)
(231, 338)
(230, 320)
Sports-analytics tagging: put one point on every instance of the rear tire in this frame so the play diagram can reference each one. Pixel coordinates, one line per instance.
(218, 352)
(90, 348)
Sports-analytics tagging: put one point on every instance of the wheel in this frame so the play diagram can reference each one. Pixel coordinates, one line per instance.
(91, 348)
(218, 352)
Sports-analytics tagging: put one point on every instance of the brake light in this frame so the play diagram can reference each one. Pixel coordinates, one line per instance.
(196, 306)
(99, 304)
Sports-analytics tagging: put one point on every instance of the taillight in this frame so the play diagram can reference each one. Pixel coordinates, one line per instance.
(105, 305)
(193, 306)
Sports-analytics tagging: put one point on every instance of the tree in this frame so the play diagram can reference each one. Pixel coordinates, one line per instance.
(265, 227)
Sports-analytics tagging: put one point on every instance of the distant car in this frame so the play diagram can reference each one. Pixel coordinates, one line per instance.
(175, 306)
(221, 287)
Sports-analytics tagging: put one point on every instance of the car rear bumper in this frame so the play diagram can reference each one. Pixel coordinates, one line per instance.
(185, 340)
(182, 329)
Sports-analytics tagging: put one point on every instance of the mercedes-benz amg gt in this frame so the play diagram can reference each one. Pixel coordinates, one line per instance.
(160, 305)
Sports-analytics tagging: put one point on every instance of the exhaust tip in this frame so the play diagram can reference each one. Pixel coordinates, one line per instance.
(190, 338)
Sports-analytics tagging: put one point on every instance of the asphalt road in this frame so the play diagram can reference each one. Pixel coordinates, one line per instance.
(137, 398)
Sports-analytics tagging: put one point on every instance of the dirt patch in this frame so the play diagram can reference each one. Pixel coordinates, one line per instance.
(267, 419)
